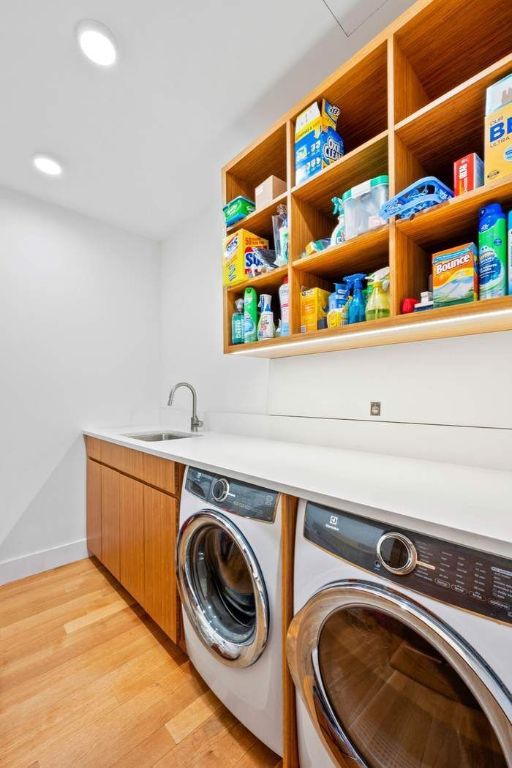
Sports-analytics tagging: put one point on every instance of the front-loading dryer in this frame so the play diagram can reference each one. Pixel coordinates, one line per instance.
(229, 579)
(401, 647)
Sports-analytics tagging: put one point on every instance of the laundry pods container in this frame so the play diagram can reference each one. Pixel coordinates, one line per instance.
(362, 204)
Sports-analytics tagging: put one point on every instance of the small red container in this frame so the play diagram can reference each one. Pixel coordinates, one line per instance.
(408, 305)
(468, 173)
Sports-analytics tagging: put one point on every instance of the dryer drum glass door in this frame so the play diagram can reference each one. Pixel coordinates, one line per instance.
(222, 588)
(390, 685)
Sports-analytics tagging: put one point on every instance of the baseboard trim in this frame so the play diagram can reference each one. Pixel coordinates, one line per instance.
(37, 562)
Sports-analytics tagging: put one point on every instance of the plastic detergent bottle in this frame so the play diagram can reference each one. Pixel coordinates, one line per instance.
(356, 310)
(250, 315)
(492, 249)
(338, 234)
(280, 226)
(284, 300)
(337, 301)
(266, 327)
(237, 323)
(378, 302)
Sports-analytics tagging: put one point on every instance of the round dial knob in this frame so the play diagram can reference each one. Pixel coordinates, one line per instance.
(397, 553)
(220, 490)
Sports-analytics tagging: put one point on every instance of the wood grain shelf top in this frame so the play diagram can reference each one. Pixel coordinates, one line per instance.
(460, 320)
(458, 216)
(363, 253)
(266, 280)
(260, 222)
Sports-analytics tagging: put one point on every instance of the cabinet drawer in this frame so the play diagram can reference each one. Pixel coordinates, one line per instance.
(93, 448)
(150, 469)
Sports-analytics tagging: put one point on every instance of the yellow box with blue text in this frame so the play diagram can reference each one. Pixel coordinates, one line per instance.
(240, 253)
(498, 129)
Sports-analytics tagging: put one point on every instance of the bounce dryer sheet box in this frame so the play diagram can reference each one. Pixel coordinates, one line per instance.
(239, 255)
(455, 275)
(498, 129)
(317, 144)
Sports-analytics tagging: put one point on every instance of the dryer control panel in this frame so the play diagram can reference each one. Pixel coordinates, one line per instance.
(232, 496)
(461, 576)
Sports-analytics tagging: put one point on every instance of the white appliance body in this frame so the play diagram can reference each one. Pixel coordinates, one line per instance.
(316, 567)
(249, 685)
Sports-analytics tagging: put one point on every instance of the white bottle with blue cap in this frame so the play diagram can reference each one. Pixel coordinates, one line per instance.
(266, 326)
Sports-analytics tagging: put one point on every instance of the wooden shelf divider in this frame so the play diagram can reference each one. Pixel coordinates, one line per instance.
(412, 102)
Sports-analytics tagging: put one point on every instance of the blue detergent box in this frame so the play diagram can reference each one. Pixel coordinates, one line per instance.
(317, 143)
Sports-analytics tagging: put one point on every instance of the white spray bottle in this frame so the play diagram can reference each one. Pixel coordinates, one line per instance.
(266, 326)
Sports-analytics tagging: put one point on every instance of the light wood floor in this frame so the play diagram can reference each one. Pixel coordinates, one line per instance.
(87, 679)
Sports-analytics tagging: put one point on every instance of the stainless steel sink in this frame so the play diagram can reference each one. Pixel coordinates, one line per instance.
(160, 437)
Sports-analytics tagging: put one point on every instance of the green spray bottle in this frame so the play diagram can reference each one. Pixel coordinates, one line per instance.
(492, 256)
(237, 323)
(250, 315)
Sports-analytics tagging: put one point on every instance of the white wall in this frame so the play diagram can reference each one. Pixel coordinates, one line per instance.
(191, 317)
(79, 344)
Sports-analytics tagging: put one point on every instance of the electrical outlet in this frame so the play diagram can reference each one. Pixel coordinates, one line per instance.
(375, 408)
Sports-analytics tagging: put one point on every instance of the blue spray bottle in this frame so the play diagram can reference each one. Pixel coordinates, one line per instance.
(357, 308)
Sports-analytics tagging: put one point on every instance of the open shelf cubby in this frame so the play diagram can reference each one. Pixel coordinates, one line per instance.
(412, 102)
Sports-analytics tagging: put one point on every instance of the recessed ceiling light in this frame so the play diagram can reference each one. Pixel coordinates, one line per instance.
(96, 42)
(47, 165)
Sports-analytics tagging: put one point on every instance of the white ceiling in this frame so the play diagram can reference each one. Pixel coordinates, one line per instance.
(143, 143)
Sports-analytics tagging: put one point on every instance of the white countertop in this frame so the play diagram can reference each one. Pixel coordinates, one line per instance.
(466, 504)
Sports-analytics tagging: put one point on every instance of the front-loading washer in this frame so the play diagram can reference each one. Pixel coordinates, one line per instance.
(400, 647)
(229, 579)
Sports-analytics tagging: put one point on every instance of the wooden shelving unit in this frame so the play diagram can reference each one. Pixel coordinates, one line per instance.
(412, 102)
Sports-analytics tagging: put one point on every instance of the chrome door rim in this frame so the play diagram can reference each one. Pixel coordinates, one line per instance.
(235, 654)
(302, 655)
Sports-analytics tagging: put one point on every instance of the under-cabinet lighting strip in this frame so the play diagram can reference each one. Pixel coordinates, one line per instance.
(378, 331)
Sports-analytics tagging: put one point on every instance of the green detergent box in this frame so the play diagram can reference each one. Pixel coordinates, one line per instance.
(238, 209)
(317, 144)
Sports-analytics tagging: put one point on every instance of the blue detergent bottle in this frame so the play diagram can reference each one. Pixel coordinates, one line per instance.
(357, 308)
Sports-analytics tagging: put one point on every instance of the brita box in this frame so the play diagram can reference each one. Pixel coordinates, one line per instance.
(317, 144)
(498, 129)
(455, 275)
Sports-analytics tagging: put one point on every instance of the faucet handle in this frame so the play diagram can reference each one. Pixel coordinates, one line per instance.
(196, 424)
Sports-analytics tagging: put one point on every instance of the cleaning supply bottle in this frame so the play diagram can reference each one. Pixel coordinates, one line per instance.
(492, 248)
(337, 301)
(338, 234)
(378, 302)
(250, 315)
(266, 327)
(237, 323)
(280, 227)
(357, 308)
(284, 301)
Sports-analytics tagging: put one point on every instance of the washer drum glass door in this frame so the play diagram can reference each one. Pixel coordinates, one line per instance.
(222, 588)
(386, 684)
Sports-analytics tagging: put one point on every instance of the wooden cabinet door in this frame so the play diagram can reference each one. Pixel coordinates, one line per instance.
(131, 536)
(160, 599)
(110, 520)
(93, 516)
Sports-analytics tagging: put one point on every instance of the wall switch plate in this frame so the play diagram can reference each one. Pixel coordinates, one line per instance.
(375, 408)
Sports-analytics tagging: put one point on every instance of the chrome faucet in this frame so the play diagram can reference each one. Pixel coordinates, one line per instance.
(195, 423)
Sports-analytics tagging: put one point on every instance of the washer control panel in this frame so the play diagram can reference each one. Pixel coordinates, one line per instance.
(461, 576)
(231, 495)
